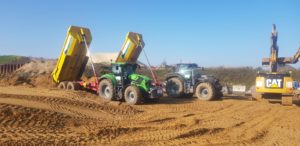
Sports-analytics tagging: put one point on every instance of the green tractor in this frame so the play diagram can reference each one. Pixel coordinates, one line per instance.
(124, 82)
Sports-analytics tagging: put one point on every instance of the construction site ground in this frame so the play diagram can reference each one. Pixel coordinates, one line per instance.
(48, 116)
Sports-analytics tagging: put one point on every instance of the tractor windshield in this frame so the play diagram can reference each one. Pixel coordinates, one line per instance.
(186, 69)
(185, 66)
(129, 69)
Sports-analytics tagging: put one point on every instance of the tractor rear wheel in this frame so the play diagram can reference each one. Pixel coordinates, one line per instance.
(133, 95)
(205, 91)
(62, 85)
(174, 87)
(106, 89)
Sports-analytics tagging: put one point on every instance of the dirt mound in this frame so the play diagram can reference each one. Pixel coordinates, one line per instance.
(35, 73)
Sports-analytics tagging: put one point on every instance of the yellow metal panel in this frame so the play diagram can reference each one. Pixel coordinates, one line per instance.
(131, 48)
(72, 59)
(285, 90)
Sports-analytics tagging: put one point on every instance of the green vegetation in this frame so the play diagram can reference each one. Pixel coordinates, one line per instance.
(234, 76)
(8, 58)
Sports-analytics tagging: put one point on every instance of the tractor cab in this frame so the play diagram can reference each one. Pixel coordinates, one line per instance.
(190, 71)
(122, 71)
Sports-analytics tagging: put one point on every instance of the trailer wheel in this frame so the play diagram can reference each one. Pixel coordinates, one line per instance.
(72, 86)
(106, 89)
(133, 95)
(205, 91)
(62, 86)
(174, 87)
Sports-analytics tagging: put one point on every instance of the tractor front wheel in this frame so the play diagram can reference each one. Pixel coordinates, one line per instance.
(133, 95)
(205, 91)
(106, 90)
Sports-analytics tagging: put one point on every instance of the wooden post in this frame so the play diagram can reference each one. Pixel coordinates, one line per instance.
(9, 68)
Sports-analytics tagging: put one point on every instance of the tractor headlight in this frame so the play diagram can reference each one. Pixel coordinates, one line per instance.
(118, 78)
(187, 76)
(289, 84)
(259, 83)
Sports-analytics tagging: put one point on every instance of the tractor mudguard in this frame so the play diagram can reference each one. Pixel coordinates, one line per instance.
(140, 81)
(111, 77)
(171, 75)
(212, 80)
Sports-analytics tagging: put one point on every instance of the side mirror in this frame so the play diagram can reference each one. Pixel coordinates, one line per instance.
(173, 69)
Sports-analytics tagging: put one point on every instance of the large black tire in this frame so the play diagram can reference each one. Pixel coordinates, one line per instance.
(62, 86)
(174, 87)
(73, 86)
(133, 95)
(106, 89)
(205, 91)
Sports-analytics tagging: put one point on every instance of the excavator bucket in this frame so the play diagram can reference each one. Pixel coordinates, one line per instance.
(131, 48)
(73, 57)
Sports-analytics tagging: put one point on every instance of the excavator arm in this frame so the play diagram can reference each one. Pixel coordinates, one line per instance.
(292, 60)
(274, 60)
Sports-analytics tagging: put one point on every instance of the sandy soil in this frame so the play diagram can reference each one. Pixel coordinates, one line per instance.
(50, 116)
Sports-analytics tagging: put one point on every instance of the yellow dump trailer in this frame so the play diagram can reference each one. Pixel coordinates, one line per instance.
(131, 48)
(73, 57)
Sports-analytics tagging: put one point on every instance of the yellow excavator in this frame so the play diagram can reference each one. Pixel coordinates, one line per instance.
(274, 84)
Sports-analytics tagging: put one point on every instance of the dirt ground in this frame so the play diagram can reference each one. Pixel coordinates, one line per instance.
(42, 116)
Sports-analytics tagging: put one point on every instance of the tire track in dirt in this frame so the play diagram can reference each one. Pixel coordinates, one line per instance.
(26, 125)
(188, 135)
(171, 128)
(62, 103)
(53, 117)
(251, 130)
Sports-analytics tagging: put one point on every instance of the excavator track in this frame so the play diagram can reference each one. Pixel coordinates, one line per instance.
(257, 97)
(287, 100)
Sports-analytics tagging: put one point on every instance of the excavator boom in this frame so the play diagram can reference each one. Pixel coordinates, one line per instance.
(290, 60)
(274, 60)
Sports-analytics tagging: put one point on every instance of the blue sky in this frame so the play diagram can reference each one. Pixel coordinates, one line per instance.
(210, 33)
